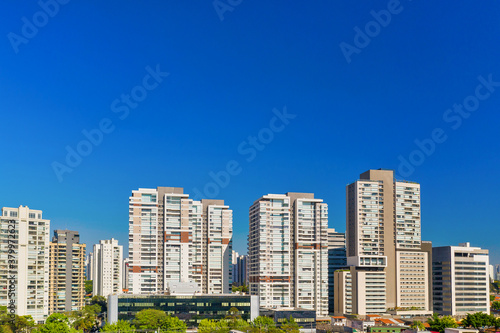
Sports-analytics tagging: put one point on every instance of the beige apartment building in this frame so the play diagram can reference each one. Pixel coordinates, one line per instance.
(24, 262)
(107, 261)
(383, 230)
(288, 252)
(460, 280)
(173, 238)
(66, 272)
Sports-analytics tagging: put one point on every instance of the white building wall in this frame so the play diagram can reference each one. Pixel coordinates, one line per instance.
(25, 258)
(108, 261)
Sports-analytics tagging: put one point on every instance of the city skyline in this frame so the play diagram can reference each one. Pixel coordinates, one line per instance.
(102, 99)
(242, 248)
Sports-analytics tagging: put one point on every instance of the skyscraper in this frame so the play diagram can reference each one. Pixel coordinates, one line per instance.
(66, 272)
(288, 255)
(389, 267)
(460, 279)
(89, 264)
(107, 260)
(173, 238)
(336, 260)
(24, 265)
(240, 269)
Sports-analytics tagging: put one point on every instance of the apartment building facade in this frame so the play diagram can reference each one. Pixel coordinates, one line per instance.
(288, 252)
(66, 272)
(24, 262)
(108, 270)
(460, 279)
(384, 227)
(336, 260)
(173, 238)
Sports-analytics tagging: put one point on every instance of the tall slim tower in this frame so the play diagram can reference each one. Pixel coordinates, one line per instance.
(288, 255)
(66, 272)
(384, 244)
(24, 267)
(107, 260)
(173, 238)
(336, 260)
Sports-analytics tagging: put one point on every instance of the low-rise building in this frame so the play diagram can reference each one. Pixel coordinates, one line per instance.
(189, 308)
(339, 321)
(303, 317)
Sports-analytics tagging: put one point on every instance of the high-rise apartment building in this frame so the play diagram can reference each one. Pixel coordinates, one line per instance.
(89, 264)
(288, 255)
(24, 262)
(107, 260)
(460, 279)
(173, 238)
(66, 272)
(384, 246)
(336, 260)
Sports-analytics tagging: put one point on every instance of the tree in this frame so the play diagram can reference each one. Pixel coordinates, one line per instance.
(478, 320)
(149, 319)
(234, 313)
(212, 326)
(89, 286)
(239, 324)
(5, 329)
(100, 300)
(495, 305)
(86, 318)
(266, 324)
(56, 323)
(243, 289)
(120, 325)
(290, 326)
(23, 323)
(262, 321)
(439, 324)
(172, 323)
(418, 325)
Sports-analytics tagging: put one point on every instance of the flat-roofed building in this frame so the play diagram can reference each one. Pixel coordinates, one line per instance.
(66, 272)
(24, 263)
(460, 279)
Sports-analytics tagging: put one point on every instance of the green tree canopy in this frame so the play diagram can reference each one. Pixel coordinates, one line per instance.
(56, 323)
(89, 285)
(149, 319)
(172, 324)
(23, 323)
(101, 300)
(213, 326)
(262, 321)
(120, 325)
(478, 320)
(439, 324)
(290, 326)
(418, 325)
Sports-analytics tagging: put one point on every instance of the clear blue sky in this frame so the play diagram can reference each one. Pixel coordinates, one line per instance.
(225, 78)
